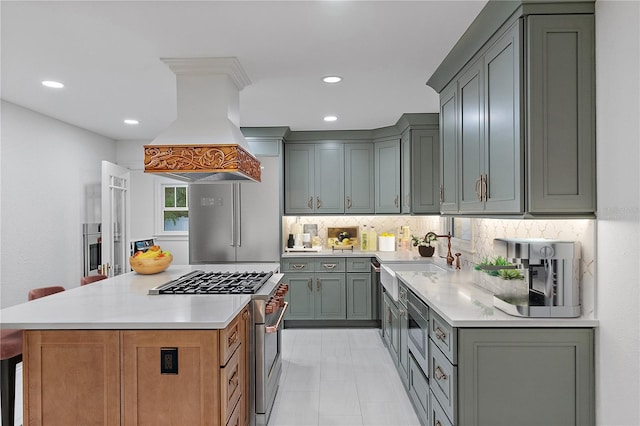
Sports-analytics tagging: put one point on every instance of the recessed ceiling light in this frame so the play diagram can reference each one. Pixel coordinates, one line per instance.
(332, 79)
(53, 84)
(330, 118)
(131, 121)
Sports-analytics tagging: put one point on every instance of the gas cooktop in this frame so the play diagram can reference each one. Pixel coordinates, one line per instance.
(200, 282)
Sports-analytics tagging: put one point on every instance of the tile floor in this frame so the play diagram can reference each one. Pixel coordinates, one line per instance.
(339, 377)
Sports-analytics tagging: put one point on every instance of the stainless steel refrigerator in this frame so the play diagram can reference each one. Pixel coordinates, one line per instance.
(237, 222)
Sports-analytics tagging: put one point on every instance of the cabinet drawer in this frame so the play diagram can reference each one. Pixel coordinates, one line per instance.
(330, 264)
(437, 413)
(298, 264)
(230, 338)
(359, 264)
(444, 381)
(235, 418)
(231, 381)
(444, 336)
(419, 390)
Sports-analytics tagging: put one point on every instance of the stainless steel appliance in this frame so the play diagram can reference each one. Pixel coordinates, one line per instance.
(267, 310)
(236, 222)
(551, 270)
(91, 249)
(417, 315)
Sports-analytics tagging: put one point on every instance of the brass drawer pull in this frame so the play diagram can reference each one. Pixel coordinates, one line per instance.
(440, 335)
(310, 203)
(233, 338)
(348, 202)
(329, 265)
(298, 265)
(440, 374)
(318, 203)
(310, 284)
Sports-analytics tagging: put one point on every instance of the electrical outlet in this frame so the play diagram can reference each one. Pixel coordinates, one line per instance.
(168, 360)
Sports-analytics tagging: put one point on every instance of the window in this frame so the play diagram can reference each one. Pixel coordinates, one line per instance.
(175, 208)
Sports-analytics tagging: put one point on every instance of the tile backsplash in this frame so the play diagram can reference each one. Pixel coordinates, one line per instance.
(480, 245)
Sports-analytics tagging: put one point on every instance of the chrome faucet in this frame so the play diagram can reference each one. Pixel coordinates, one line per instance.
(449, 257)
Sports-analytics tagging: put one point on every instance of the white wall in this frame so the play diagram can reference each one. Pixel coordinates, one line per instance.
(50, 185)
(618, 234)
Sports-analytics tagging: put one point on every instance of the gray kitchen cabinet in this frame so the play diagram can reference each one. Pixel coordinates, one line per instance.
(330, 297)
(392, 327)
(403, 344)
(523, 81)
(300, 295)
(420, 171)
(314, 178)
(329, 288)
(526, 377)
(359, 298)
(359, 178)
(387, 176)
(449, 149)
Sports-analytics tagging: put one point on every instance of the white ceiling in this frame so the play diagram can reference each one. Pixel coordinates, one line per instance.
(108, 55)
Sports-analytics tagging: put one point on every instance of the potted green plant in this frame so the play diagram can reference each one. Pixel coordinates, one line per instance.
(424, 244)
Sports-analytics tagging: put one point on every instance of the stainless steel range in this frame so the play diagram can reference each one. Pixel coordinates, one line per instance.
(267, 310)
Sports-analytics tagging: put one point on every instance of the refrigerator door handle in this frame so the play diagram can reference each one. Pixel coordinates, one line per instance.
(233, 217)
(238, 213)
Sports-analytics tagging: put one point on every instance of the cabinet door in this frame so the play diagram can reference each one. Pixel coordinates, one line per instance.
(51, 394)
(331, 295)
(394, 332)
(471, 140)
(403, 345)
(329, 178)
(359, 302)
(300, 296)
(561, 114)
(153, 393)
(425, 171)
(449, 149)
(299, 164)
(387, 182)
(359, 178)
(503, 142)
(553, 367)
(406, 151)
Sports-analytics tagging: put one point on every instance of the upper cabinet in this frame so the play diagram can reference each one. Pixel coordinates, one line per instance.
(390, 170)
(517, 112)
(314, 178)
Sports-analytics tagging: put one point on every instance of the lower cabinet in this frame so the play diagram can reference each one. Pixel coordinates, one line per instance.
(137, 377)
(332, 288)
(497, 376)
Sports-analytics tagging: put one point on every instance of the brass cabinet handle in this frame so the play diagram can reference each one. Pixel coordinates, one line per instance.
(310, 284)
(329, 265)
(298, 265)
(396, 200)
(310, 203)
(318, 284)
(440, 374)
(440, 335)
(318, 203)
(441, 194)
(479, 188)
(348, 202)
(233, 338)
(245, 315)
(485, 187)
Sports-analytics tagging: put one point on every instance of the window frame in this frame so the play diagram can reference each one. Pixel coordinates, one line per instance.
(160, 208)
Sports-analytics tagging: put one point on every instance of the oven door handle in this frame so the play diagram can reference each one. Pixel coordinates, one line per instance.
(376, 268)
(274, 328)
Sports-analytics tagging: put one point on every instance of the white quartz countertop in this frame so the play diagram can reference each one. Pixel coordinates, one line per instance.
(122, 302)
(454, 297)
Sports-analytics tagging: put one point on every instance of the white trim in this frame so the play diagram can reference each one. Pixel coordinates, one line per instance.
(158, 200)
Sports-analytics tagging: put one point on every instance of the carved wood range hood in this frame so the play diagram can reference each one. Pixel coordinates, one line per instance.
(204, 144)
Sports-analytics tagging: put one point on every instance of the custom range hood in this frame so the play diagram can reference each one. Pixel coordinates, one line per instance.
(204, 144)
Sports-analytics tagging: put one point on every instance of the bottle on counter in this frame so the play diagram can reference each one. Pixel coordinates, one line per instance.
(373, 239)
(364, 239)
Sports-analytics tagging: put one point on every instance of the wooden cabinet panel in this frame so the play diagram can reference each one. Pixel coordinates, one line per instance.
(230, 339)
(150, 397)
(71, 377)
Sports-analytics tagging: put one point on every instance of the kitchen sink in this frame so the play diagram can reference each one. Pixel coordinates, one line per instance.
(388, 274)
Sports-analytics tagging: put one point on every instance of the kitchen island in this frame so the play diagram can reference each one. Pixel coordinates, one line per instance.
(108, 353)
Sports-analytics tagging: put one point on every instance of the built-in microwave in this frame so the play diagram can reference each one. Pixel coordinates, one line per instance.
(91, 249)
